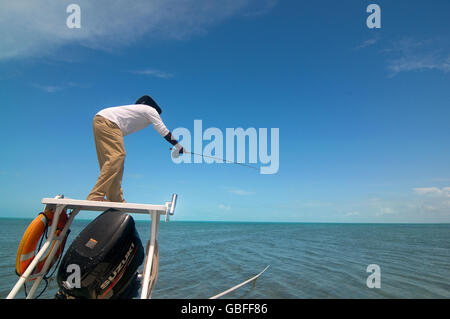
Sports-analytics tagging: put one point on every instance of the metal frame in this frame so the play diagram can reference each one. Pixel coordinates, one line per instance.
(59, 203)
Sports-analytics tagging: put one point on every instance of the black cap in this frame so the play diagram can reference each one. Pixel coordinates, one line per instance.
(147, 100)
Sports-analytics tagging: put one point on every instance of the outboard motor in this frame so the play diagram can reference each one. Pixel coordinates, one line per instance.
(107, 255)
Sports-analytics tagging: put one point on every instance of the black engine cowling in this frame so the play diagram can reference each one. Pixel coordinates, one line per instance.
(108, 253)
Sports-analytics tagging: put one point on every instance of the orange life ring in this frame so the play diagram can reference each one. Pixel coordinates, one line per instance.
(32, 237)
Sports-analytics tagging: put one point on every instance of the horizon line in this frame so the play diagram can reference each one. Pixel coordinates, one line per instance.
(260, 222)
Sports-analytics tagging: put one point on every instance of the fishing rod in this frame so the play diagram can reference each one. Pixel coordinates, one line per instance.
(217, 158)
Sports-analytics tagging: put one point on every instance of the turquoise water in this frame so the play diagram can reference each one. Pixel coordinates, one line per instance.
(201, 259)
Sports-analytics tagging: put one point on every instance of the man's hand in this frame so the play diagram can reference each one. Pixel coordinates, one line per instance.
(178, 149)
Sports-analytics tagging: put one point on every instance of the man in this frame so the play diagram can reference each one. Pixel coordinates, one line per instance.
(110, 125)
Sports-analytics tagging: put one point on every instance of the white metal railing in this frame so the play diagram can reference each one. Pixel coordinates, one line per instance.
(59, 203)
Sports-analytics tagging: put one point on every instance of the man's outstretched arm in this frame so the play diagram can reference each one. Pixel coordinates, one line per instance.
(169, 138)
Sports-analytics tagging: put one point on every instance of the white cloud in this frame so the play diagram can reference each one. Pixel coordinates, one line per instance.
(48, 88)
(366, 43)
(352, 214)
(385, 211)
(417, 55)
(224, 207)
(263, 8)
(424, 205)
(420, 62)
(433, 191)
(433, 200)
(155, 73)
(240, 192)
(38, 28)
(56, 88)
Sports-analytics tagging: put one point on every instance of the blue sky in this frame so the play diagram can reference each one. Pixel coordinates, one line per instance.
(363, 114)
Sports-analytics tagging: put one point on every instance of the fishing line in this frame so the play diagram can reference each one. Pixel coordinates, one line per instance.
(218, 158)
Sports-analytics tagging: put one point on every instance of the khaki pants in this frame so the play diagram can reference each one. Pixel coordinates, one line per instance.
(111, 157)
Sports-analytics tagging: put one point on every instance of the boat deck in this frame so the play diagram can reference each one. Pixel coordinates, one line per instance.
(104, 205)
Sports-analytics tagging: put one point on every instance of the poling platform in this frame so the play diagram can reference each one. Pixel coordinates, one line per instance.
(51, 245)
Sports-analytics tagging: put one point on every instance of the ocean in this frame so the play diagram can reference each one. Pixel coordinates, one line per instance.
(202, 259)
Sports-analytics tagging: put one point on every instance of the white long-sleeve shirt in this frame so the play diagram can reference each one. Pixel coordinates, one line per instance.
(134, 117)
